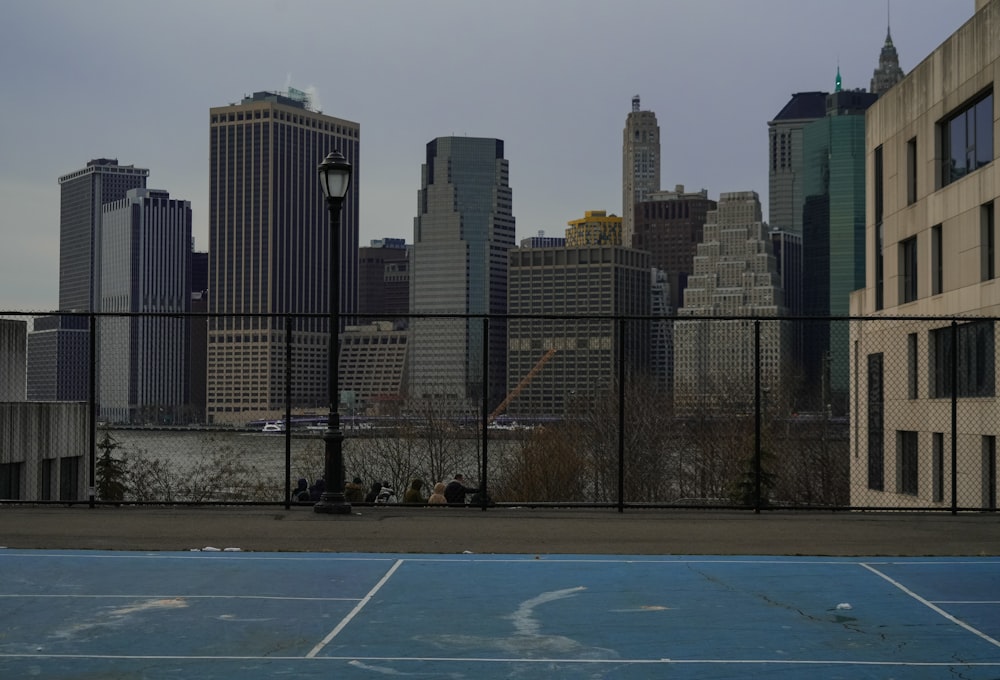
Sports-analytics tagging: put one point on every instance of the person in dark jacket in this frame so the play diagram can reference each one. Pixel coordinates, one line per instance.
(316, 490)
(456, 490)
(301, 493)
(373, 494)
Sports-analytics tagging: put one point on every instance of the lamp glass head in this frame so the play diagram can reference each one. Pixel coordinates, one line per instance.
(335, 175)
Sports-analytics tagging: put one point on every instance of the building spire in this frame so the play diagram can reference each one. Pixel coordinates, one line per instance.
(888, 27)
(888, 72)
(837, 84)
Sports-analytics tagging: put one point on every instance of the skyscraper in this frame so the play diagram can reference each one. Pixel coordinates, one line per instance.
(82, 195)
(269, 231)
(785, 197)
(146, 255)
(58, 347)
(888, 72)
(581, 356)
(13, 359)
(384, 280)
(668, 224)
(735, 274)
(461, 236)
(595, 228)
(833, 236)
(640, 164)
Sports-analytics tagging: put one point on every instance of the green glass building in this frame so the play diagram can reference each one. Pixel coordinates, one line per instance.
(833, 231)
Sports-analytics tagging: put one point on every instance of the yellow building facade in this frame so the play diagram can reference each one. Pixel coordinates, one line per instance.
(596, 228)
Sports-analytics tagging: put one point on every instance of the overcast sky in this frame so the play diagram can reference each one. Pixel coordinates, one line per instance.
(134, 80)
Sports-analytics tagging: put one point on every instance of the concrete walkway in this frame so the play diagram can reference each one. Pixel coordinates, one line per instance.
(500, 530)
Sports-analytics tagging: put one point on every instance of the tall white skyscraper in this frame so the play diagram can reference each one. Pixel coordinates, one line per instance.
(640, 164)
(735, 275)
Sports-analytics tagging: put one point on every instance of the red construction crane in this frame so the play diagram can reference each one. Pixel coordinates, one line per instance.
(521, 385)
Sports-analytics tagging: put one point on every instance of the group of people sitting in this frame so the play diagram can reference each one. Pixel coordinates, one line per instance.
(304, 493)
(452, 493)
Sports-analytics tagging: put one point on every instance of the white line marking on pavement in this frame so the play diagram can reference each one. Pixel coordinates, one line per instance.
(354, 612)
(931, 605)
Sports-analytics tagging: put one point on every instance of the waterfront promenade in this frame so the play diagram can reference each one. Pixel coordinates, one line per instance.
(500, 530)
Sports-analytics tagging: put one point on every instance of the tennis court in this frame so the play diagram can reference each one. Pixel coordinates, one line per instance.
(106, 614)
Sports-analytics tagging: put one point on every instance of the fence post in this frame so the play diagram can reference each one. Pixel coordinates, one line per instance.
(92, 399)
(757, 420)
(621, 415)
(288, 411)
(954, 416)
(484, 474)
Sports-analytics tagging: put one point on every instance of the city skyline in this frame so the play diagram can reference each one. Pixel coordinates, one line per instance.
(712, 75)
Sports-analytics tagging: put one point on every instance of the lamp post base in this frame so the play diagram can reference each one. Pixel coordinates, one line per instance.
(333, 504)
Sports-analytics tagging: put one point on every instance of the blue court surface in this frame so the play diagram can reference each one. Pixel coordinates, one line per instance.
(90, 614)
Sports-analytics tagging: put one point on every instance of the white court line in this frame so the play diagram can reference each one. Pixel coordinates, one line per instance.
(506, 660)
(186, 597)
(354, 612)
(965, 601)
(931, 605)
(778, 560)
(199, 555)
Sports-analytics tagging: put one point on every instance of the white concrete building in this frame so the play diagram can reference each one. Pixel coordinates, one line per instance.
(923, 392)
(735, 275)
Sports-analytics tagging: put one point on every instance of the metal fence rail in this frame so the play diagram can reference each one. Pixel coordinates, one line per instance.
(617, 412)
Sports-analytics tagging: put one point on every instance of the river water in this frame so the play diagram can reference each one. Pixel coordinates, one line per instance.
(171, 465)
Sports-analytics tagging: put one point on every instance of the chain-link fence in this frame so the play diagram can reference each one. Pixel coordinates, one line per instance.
(755, 413)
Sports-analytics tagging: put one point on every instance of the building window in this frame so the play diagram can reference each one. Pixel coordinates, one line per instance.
(988, 242)
(974, 355)
(876, 444)
(908, 270)
(937, 261)
(937, 467)
(10, 481)
(989, 472)
(967, 139)
(879, 213)
(69, 478)
(47, 474)
(906, 462)
(911, 171)
(911, 365)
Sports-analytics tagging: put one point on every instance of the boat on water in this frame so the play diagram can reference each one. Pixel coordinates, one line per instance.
(273, 427)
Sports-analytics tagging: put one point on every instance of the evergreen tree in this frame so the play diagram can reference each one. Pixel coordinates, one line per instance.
(110, 471)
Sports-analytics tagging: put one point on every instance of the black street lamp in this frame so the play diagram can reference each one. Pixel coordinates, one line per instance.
(335, 177)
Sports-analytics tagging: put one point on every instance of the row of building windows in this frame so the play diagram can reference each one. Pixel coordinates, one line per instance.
(909, 261)
(909, 470)
(966, 144)
(307, 121)
(961, 355)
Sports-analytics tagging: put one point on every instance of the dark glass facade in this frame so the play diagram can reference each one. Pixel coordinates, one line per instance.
(81, 196)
